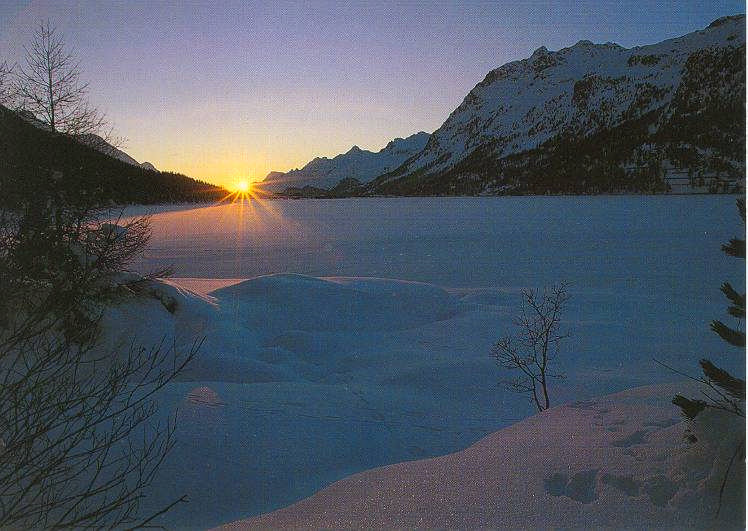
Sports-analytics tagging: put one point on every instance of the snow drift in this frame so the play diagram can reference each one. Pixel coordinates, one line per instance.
(618, 461)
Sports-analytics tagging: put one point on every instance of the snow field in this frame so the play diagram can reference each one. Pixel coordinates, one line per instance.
(313, 376)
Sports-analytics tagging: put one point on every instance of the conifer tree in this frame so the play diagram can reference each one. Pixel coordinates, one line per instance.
(725, 391)
(729, 391)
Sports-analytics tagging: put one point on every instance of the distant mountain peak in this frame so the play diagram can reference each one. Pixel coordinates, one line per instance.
(361, 165)
(407, 144)
(100, 144)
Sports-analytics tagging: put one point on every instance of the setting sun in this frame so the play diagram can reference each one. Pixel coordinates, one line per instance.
(244, 190)
(242, 186)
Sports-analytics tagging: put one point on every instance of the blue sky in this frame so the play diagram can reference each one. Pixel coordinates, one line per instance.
(227, 90)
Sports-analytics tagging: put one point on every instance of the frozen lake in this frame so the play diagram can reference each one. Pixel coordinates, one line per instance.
(314, 388)
(604, 242)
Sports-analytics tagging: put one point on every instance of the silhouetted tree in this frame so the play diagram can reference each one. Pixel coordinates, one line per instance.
(48, 84)
(6, 92)
(78, 442)
(536, 345)
(728, 391)
(735, 247)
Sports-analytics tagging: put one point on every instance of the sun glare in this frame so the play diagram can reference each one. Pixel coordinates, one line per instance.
(243, 191)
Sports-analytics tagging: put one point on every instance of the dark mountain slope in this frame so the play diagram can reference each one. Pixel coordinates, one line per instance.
(29, 155)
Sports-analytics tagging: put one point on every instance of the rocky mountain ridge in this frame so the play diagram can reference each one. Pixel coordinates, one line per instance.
(89, 139)
(100, 144)
(594, 118)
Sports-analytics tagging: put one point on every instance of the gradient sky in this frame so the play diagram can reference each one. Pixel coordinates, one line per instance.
(227, 90)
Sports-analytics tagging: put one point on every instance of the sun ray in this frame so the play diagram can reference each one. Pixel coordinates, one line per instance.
(251, 210)
(242, 191)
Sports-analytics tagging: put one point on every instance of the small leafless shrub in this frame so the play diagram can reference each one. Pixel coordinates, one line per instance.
(530, 353)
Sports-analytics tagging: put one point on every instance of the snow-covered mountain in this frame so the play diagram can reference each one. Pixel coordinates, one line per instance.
(592, 118)
(99, 144)
(357, 163)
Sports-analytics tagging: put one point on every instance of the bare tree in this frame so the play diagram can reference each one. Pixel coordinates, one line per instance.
(536, 345)
(48, 84)
(78, 439)
(6, 92)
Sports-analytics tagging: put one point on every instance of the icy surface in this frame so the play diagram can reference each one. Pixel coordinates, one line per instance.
(318, 366)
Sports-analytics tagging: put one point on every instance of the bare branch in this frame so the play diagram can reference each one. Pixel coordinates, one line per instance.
(78, 441)
(48, 84)
(535, 345)
(6, 89)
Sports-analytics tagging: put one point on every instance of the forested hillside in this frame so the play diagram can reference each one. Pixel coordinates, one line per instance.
(30, 155)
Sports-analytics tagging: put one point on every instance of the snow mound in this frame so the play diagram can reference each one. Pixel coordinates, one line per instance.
(155, 313)
(267, 329)
(284, 302)
(618, 461)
